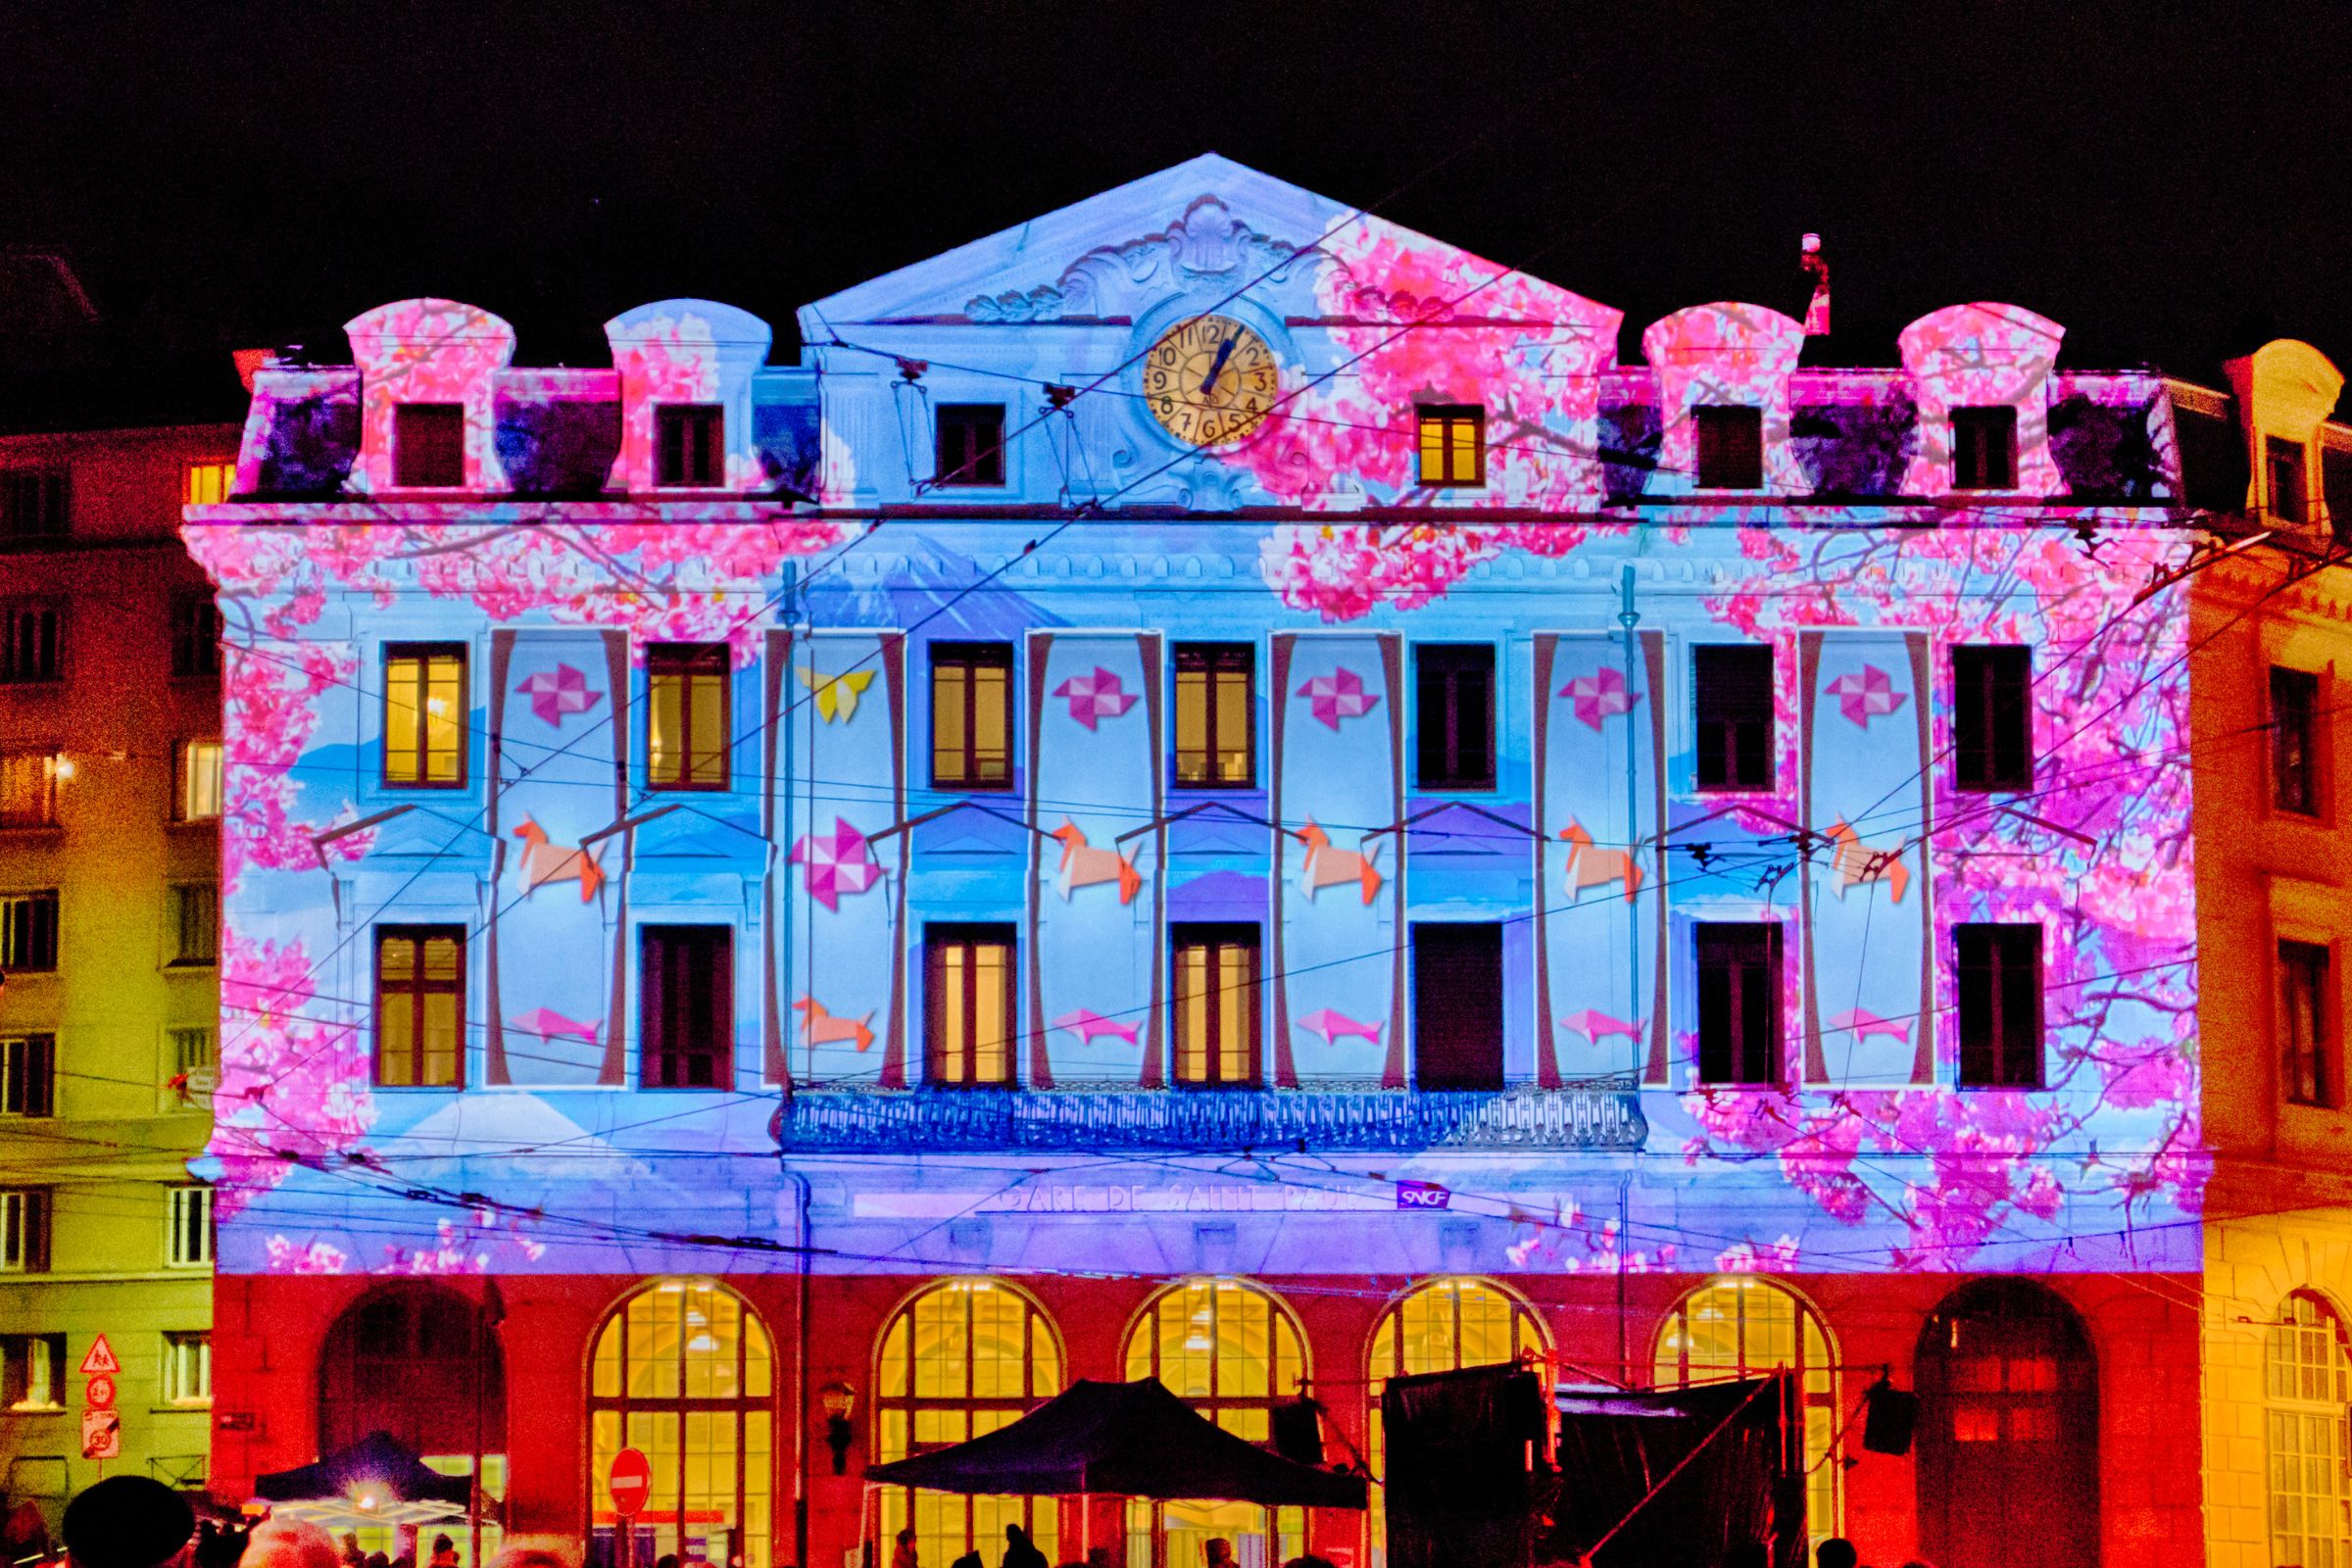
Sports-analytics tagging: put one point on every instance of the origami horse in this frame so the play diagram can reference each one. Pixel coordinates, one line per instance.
(544, 863)
(821, 1028)
(1855, 861)
(1082, 868)
(1325, 866)
(1589, 868)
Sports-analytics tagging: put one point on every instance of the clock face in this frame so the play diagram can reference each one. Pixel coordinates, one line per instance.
(1210, 380)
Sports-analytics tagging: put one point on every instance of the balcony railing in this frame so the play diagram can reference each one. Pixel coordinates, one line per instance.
(1591, 1114)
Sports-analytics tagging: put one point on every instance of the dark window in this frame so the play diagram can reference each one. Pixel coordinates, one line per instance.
(425, 705)
(33, 504)
(1456, 746)
(420, 1007)
(2303, 1023)
(972, 444)
(32, 640)
(195, 636)
(1738, 1003)
(28, 789)
(686, 715)
(2283, 464)
(969, 1017)
(1457, 1005)
(690, 445)
(1213, 713)
(1453, 444)
(1731, 447)
(688, 976)
(34, 1376)
(2294, 740)
(412, 1358)
(196, 924)
(1732, 692)
(1984, 448)
(1999, 1006)
(28, 932)
(1215, 982)
(24, 1214)
(428, 446)
(971, 716)
(28, 1075)
(1992, 717)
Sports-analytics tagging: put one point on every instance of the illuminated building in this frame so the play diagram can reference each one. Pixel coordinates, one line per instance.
(1250, 802)
(110, 797)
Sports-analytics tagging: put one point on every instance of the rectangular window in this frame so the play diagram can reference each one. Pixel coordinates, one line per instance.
(1457, 1005)
(1731, 447)
(687, 1039)
(28, 789)
(1984, 448)
(1999, 994)
(972, 444)
(426, 702)
(1738, 1003)
(686, 715)
(690, 447)
(1214, 707)
(2294, 741)
(1732, 699)
(28, 1075)
(188, 1070)
(188, 1369)
(34, 503)
(195, 637)
(196, 793)
(428, 446)
(208, 484)
(2304, 1021)
(1453, 444)
(420, 1007)
(195, 924)
(190, 1218)
(971, 716)
(1214, 979)
(2282, 465)
(32, 1371)
(25, 1230)
(969, 1017)
(1454, 748)
(28, 932)
(1992, 717)
(32, 642)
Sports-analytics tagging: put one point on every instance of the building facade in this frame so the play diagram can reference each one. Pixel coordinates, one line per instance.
(110, 805)
(1209, 788)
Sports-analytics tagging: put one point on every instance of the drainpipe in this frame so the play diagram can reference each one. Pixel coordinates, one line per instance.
(800, 1382)
(1629, 618)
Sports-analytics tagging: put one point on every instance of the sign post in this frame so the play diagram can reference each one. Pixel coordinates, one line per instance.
(630, 1481)
(101, 1422)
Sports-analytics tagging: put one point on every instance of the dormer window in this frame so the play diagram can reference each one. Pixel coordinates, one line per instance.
(2282, 466)
(1453, 444)
(1731, 447)
(972, 444)
(1984, 448)
(428, 446)
(689, 446)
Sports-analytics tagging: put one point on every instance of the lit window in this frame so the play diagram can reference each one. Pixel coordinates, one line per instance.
(28, 789)
(195, 923)
(1992, 717)
(420, 1007)
(428, 446)
(1731, 447)
(968, 1006)
(687, 978)
(2304, 1021)
(686, 722)
(210, 483)
(35, 1377)
(971, 716)
(1214, 979)
(1999, 994)
(2307, 1380)
(189, 1244)
(1746, 1327)
(1738, 1003)
(197, 795)
(1732, 702)
(426, 704)
(195, 637)
(24, 1231)
(28, 932)
(34, 503)
(1214, 713)
(690, 446)
(1453, 444)
(1984, 448)
(2283, 470)
(1454, 721)
(2294, 741)
(972, 444)
(28, 1075)
(188, 1369)
(32, 644)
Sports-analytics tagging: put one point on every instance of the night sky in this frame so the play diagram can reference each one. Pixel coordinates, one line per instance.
(2169, 184)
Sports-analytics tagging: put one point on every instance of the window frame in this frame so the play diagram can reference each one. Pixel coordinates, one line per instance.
(51, 509)
(218, 482)
(1726, 751)
(1818, 1390)
(2003, 951)
(2298, 751)
(177, 1346)
(2280, 456)
(45, 758)
(196, 632)
(1992, 763)
(1448, 420)
(690, 665)
(205, 954)
(417, 989)
(667, 952)
(1980, 432)
(15, 1355)
(191, 1215)
(971, 658)
(426, 657)
(1214, 938)
(414, 418)
(28, 1075)
(2304, 974)
(33, 899)
(1212, 665)
(1772, 959)
(184, 754)
(1712, 425)
(27, 1214)
(939, 937)
(981, 459)
(690, 446)
(48, 670)
(2307, 1415)
(1445, 665)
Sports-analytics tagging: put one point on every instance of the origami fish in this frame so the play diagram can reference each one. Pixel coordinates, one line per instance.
(1329, 1026)
(836, 695)
(1865, 1023)
(1086, 1024)
(1596, 1026)
(547, 1024)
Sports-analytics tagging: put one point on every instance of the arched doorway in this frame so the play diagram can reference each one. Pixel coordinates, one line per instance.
(2307, 1380)
(960, 1359)
(1233, 1351)
(1741, 1325)
(2008, 1432)
(684, 1371)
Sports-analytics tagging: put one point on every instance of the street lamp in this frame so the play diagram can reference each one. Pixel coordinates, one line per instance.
(839, 1401)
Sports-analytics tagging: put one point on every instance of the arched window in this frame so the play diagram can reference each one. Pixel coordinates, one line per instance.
(1233, 1351)
(1442, 1326)
(2306, 1382)
(1739, 1326)
(959, 1360)
(683, 1371)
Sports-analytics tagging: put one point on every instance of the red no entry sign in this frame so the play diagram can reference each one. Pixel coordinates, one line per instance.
(630, 1481)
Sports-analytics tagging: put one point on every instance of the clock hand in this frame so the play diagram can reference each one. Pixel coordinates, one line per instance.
(1208, 382)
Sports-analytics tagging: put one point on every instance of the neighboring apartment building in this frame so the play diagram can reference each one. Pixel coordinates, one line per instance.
(1248, 804)
(2272, 631)
(110, 805)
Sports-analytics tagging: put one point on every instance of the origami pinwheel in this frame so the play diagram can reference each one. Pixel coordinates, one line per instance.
(558, 691)
(1095, 696)
(1866, 695)
(1336, 696)
(840, 861)
(1601, 694)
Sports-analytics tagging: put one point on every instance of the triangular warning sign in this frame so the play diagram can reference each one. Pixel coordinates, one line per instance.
(100, 1362)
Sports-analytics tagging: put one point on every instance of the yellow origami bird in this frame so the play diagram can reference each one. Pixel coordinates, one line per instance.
(836, 695)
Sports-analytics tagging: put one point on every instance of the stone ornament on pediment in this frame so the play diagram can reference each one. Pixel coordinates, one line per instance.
(1206, 248)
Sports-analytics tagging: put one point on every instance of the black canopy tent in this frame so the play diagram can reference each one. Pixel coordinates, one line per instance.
(1132, 1440)
(373, 1481)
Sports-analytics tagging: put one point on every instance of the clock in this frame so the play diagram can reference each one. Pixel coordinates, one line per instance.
(1210, 380)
